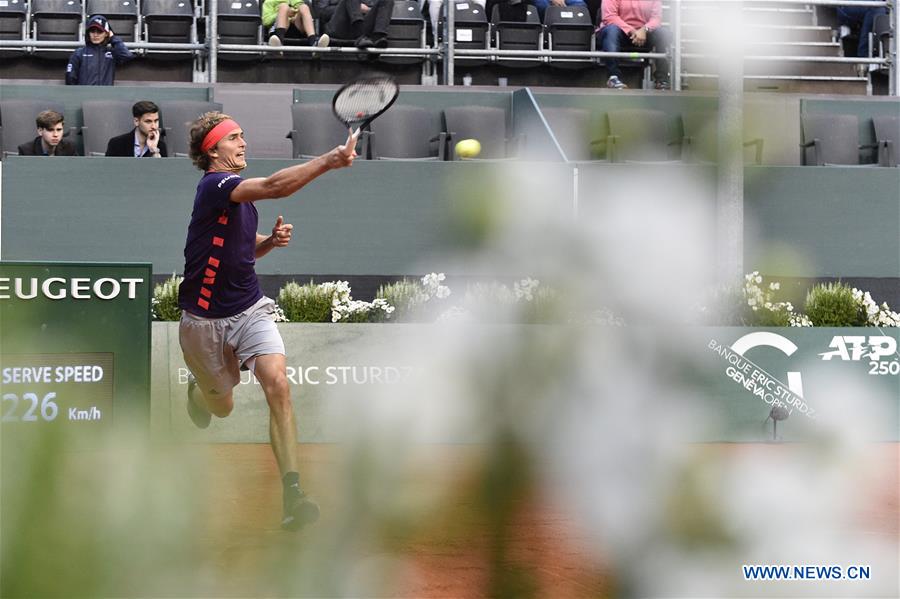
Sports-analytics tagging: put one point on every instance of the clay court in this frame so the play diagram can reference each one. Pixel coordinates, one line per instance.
(203, 522)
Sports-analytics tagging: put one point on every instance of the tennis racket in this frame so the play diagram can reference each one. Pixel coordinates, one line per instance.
(358, 103)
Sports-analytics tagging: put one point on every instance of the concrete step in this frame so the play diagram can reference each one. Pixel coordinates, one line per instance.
(691, 46)
(850, 86)
(767, 33)
(784, 69)
(756, 15)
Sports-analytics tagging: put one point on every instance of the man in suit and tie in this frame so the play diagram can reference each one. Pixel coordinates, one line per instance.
(144, 140)
(49, 142)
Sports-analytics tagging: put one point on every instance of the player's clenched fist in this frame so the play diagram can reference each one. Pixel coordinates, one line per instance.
(281, 232)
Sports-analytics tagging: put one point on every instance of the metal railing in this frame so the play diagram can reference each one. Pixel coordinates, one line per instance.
(447, 53)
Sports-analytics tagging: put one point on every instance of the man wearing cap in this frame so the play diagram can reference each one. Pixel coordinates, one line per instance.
(227, 324)
(95, 63)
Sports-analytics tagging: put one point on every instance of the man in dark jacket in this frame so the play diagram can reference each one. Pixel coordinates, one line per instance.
(95, 64)
(144, 140)
(49, 142)
(365, 21)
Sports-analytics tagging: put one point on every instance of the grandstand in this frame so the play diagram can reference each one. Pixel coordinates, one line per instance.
(792, 45)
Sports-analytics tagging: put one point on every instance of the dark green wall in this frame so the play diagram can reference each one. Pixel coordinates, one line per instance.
(822, 221)
(377, 217)
(394, 218)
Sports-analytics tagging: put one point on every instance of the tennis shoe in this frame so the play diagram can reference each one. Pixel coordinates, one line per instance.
(615, 83)
(662, 84)
(299, 510)
(275, 40)
(365, 42)
(200, 416)
(322, 41)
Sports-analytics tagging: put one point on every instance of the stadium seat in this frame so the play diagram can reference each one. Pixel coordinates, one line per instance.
(887, 134)
(406, 30)
(700, 142)
(518, 35)
(639, 135)
(56, 21)
(104, 119)
(12, 24)
(407, 133)
(316, 131)
(569, 29)
(830, 139)
(239, 22)
(571, 127)
(484, 123)
(168, 22)
(17, 122)
(471, 32)
(176, 117)
(122, 16)
(880, 42)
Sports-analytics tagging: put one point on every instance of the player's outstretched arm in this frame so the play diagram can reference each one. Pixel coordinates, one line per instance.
(288, 180)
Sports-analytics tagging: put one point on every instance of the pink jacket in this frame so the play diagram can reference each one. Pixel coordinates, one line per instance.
(629, 15)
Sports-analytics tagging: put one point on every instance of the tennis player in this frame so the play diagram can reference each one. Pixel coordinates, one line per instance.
(228, 325)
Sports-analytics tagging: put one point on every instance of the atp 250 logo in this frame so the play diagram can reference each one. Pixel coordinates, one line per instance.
(880, 351)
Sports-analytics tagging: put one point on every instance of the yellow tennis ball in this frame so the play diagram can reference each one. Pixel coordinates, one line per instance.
(468, 148)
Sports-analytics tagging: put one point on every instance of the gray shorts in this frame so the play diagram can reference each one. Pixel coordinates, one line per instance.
(217, 349)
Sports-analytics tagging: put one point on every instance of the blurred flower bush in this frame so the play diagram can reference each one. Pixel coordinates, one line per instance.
(528, 301)
(827, 305)
(833, 305)
(164, 304)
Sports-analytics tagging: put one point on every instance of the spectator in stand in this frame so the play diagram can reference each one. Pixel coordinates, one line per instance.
(144, 140)
(858, 18)
(365, 21)
(95, 63)
(49, 140)
(629, 24)
(284, 17)
(543, 4)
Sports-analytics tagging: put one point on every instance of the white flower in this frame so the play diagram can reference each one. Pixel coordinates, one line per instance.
(525, 288)
(800, 320)
(774, 286)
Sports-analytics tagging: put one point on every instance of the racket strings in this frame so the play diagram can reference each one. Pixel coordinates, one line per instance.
(358, 102)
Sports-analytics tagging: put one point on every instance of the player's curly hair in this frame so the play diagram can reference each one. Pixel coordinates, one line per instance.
(199, 129)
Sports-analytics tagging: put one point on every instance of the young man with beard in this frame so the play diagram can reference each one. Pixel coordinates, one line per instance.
(144, 140)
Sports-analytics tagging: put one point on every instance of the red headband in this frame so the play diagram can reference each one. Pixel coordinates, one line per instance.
(217, 133)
